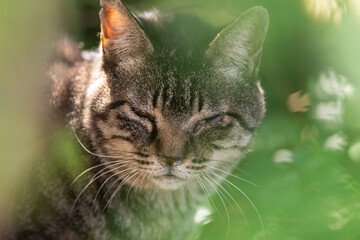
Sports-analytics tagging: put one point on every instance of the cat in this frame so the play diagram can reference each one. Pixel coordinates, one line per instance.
(165, 108)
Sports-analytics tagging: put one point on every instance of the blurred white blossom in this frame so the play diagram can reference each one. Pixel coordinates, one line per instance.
(329, 111)
(339, 218)
(336, 142)
(202, 216)
(354, 152)
(326, 10)
(354, 5)
(331, 85)
(283, 156)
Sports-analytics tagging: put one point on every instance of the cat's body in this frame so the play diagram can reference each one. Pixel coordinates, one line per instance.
(163, 116)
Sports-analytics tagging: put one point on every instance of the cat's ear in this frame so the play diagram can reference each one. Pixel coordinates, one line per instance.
(236, 50)
(122, 39)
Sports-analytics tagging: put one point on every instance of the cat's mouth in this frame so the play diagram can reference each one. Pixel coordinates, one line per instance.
(169, 181)
(169, 175)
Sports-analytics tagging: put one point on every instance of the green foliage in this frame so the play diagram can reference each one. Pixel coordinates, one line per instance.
(306, 163)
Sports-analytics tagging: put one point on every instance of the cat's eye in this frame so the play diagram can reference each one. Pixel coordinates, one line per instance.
(142, 114)
(149, 117)
(208, 121)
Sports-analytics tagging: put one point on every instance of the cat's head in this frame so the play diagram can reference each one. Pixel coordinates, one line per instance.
(168, 109)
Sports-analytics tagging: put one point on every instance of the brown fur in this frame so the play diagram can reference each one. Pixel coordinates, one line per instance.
(159, 110)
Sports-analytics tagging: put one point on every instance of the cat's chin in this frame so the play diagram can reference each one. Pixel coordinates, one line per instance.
(168, 183)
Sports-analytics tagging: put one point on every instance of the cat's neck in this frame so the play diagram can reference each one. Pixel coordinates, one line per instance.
(159, 213)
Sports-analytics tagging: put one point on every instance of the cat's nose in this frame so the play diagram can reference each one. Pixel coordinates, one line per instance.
(169, 161)
(172, 152)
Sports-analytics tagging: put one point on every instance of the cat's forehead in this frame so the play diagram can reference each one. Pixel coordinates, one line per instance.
(182, 91)
(177, 34)
(179, 76)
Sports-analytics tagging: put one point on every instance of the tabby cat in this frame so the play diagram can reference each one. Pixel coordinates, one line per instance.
(162, 113)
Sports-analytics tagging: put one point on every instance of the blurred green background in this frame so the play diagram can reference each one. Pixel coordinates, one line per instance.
(306, 155)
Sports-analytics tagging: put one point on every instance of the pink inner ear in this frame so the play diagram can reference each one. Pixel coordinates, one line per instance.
(113, 24)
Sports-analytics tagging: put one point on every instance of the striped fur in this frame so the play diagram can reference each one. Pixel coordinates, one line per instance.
(167, 108)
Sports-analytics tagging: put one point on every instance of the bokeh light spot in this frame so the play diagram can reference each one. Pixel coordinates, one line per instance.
(202, 216)
(331, 85)
(354, 5)
(329, 111)
(339, 218)
(354, 152)
(325, 10)
(336, 142)
(283, 156)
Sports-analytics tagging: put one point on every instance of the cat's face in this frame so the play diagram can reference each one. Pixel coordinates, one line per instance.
(165, 118)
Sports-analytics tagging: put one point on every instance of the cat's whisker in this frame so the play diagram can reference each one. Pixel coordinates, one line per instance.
(246, 196)
(86, 149)
(125, 173)
(207, 180)
(232, 164)
(89, 169)
(103, 184)
(124, 179)
(242, 171)
(140, 184)
(107, 170)
(197, 179)
(119, 163)
(95, 154)
(127, 195)
(195, 187)
(219, 193)
(84, 189)
(100, 165)
(242, 179)
(207, 193)
(232, 198)
(98, 192)
(122, 182)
